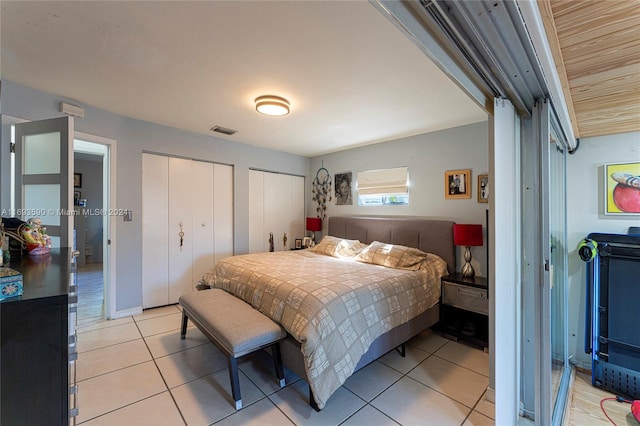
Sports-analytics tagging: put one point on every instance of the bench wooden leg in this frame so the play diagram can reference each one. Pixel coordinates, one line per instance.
(235, 381)
(277, 362)
(183, 329)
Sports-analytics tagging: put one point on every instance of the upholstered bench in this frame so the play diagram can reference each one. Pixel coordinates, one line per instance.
(235, 327)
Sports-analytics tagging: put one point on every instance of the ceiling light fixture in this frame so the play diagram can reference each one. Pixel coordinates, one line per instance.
(272, 105)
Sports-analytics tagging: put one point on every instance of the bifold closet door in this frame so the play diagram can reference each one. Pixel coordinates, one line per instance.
(202, 235)
(155, 222)
(181, 229)
(222, 212)
(276, 203)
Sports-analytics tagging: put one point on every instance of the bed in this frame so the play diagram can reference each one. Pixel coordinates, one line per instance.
(341, 304)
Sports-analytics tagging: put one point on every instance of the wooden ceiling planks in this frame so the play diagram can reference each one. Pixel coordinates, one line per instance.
(597, 43)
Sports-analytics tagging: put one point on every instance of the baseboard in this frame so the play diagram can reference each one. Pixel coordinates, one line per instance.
(490, 395)
(127, 313)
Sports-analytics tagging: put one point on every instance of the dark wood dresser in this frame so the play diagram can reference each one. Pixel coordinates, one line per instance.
(37, 364)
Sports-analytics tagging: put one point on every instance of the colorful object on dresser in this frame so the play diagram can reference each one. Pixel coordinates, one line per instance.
(314, 224)
(467, 235)
(36, 238)
(10, 283)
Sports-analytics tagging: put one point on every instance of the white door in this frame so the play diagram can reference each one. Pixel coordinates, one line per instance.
(155, 222)
(181, 229)
(44, 170)
(296, 213)
(277, 208)
(222, 211)
(203, 220)
(258, 236)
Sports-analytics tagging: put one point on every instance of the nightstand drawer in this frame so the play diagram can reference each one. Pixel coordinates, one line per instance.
(465, 297)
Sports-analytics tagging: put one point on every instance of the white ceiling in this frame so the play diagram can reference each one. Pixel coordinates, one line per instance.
(352, 78)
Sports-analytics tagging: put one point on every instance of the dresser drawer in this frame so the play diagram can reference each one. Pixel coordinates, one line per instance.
(465, 297)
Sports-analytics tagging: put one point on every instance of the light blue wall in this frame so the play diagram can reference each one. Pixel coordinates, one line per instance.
(585, 201)
(427, 156)
(133, 137)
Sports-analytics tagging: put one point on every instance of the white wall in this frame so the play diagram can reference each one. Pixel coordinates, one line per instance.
(427, 156)
(585, 183)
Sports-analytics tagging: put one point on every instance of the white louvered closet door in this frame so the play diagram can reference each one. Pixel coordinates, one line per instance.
(277, 207)
(257, 235)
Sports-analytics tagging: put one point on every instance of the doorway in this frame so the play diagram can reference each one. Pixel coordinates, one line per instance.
(94, 226)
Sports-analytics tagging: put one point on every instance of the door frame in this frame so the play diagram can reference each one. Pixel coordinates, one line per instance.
(109, 220)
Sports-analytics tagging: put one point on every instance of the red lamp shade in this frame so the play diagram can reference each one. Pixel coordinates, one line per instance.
(467, 235)
(314, 224)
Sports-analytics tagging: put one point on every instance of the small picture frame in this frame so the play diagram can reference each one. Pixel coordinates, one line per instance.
(76, 198)
(457, 184)
(77, 180)
(298, 243)
(483, 188)
(306, 242)
(622, 188)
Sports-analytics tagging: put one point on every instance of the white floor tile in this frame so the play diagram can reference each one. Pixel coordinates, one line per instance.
(208, 399)
(486, 407)
(90, 324)
(261, 371)
(111, 358)
(293, 401)
(161, 324)
(477, 419)
(372, 380)
(159, 410)
(466, 356)
(111, 391)
(156, 312)
(261, 413)
(168, 343)
(369, 416)
(428, 341)
(104, 337)
(191, 364)
(413, 357)
(411, 403)
(454, 381)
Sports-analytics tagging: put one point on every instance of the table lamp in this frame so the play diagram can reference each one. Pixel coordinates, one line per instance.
(314, 224)
(467, 235)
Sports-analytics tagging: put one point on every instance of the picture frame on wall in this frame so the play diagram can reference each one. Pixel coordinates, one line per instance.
(457, 184)
(76, 198)
(622, 188)
(483, 188)
(77, 180)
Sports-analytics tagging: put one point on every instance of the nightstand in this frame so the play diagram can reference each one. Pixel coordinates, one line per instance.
(464, 309)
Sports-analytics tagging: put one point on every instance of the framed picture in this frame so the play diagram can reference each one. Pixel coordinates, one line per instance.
(76, 198)
(483, 188)
(457, 184)
(622, 188)
(343, 189)
(77, 180)
(306, 242)
(298, 243)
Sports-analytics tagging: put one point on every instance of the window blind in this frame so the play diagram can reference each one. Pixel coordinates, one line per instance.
(385, 181)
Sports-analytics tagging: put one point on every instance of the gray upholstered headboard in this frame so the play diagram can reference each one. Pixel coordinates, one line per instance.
(429, 235)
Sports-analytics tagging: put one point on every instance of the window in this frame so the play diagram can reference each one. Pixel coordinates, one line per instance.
(385, 187)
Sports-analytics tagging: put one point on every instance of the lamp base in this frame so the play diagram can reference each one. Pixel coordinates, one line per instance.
(467, 270)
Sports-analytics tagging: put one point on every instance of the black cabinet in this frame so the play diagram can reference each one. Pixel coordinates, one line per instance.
(38, 343)
(464, 310)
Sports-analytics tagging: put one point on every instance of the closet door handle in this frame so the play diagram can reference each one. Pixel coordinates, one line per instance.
(181, 235)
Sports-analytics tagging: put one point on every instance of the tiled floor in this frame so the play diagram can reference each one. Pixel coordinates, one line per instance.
(136, 370)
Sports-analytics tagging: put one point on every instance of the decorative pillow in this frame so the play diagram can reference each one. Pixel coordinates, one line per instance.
(338, 247)
(392, 256)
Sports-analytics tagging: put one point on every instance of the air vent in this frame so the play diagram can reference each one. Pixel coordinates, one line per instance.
(224, 130)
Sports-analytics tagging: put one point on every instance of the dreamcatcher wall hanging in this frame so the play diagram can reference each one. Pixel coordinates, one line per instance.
(322, 191)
